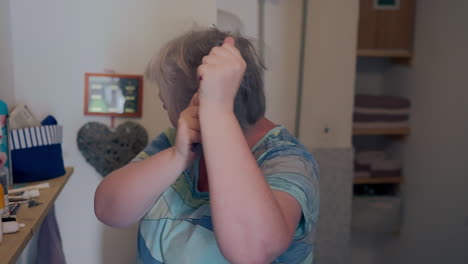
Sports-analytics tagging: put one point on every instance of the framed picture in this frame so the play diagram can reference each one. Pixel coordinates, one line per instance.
(113, 94)
(387, 4)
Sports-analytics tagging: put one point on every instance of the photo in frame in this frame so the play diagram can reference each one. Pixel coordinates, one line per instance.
(109, 94)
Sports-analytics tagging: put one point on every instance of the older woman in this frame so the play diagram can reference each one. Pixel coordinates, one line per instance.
(248, 195)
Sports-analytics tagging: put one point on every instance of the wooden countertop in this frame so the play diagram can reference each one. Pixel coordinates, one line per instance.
(13, 244)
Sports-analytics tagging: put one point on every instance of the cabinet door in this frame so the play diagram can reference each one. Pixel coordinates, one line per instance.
(367, 30)
(387, 28)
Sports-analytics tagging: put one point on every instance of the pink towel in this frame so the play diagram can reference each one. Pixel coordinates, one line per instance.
(382, 101)
(381, 111)
(378, 125)
(379, 118)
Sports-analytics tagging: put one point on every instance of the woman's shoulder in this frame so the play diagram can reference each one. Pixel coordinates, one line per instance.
(280, 142)
(288, 166)
(163, 141)
(281, 152)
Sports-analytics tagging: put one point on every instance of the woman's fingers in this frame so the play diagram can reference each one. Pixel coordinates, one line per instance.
(195, 101)
(229, 45)
(229, 40)
(193, 123)
(190, 116)
(220, 51)
(194, 136)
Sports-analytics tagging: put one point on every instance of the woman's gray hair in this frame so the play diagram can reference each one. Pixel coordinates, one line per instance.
(175, 72)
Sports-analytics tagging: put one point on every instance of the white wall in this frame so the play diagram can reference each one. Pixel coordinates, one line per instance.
(282, 37)
(7, 92)
(246, 12)
(435, 227)
(281, 40)
(329, 73)
(54, 43)
(330, 59)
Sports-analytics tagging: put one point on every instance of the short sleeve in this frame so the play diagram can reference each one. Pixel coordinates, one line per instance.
(164, 141)
(296, 173)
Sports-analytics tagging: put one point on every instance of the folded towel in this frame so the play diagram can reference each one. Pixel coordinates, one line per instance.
(381, 111)
(374, 101)
(368, 157)
(386, 168)
(385, 173)
(378, 118)
(385, 165)
(361, 166)
(379, 125)
(362, 174)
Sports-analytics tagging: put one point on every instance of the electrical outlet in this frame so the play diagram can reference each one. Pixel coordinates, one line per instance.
(327, 134)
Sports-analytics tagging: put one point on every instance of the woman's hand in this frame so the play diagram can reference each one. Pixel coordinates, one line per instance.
(120, 200)
(221, 74)
(188, 132)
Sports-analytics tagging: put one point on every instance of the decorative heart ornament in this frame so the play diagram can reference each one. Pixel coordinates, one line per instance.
(108, 150)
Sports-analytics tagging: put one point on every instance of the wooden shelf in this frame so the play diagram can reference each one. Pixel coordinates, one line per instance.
(383, 180)
(13, 244)
(401, 131)
(390, 53)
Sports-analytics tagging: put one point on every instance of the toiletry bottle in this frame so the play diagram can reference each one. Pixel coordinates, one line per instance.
(6, 180)
(5, 162)
(4, 196)
(2, 207)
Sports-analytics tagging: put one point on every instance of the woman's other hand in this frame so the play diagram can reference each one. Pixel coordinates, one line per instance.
(221, 74)
(188, 132)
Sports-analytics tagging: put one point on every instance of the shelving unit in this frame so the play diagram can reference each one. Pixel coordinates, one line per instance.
(385, 38)
(386, 32)
(396, 56)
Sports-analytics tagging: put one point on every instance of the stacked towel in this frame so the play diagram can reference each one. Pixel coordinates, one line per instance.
(373, 111)
(386, 168)
(375, 164)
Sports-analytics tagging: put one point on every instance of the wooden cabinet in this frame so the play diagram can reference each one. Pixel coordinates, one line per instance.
(386, 31)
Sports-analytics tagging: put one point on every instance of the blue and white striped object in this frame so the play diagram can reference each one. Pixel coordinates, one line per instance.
(35, 137)
(36, 153)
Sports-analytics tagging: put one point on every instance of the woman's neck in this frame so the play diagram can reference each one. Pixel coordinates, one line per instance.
(256, 131)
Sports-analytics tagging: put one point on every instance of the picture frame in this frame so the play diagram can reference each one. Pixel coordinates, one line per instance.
(110, 94)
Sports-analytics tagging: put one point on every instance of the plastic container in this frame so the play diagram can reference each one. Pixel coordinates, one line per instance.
(11, 227)
(3, 186)
(5, 157)
(2, 207)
